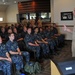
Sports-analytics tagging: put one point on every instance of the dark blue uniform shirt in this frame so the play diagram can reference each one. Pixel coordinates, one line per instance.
(3, 50)
(12, 46)
(37, 37)
(29, 39)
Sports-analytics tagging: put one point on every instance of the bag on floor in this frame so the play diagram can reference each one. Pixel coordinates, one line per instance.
(33, 68)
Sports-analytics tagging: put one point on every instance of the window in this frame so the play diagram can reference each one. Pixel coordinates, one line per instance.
(32, 15)
(1, 19)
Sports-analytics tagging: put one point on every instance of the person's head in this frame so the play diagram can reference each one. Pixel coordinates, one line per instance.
(46, 27)
(24, 28)
(29, 30)
(49, 27)
(16, 25)
(11, 36)
(9, 30)
(54, 25)
(36, 30)
(2, 29)
(40, 29)
(0, 40)
(14, 30)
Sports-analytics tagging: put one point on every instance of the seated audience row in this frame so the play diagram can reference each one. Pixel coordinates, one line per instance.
(13, 40)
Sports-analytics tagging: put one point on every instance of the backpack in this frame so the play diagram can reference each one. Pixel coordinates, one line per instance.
(33, 68)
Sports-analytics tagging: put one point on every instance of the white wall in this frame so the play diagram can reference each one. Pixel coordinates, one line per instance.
(2, 14)
(63, 6)
(59, 6)
(11, 13)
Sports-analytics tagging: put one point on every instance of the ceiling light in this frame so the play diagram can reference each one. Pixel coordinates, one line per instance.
(3, 0)
(15, 2)
(4, 3)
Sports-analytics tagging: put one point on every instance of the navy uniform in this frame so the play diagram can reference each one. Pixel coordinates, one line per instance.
(49, 39)
(20, 42)
(29, 39)
(23, 34)
(5, 66)
(60, 37)
(44, 46)
(3, 35)
(21, 46)
(17, 59)
(54, 37)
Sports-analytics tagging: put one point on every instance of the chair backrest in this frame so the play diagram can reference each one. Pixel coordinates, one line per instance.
(1, 72)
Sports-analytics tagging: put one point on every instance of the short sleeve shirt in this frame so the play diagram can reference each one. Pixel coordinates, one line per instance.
(12, 46)
(3, 50)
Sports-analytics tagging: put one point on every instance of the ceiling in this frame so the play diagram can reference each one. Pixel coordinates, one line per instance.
(8, 2)
(5, 3)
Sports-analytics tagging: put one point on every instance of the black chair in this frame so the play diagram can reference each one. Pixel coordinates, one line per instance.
(25, 48)
(1, 72)
(13, 71)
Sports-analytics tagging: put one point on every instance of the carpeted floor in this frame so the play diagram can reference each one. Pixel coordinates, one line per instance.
(64, 54)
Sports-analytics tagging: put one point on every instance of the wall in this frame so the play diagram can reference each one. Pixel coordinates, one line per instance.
(2, 14)
(63, 6)
(59, 6)
(34, 6)
(11, 13)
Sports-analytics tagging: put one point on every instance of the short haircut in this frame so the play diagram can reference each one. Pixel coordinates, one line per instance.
(10, 34)
(35, 28)
(29, 28)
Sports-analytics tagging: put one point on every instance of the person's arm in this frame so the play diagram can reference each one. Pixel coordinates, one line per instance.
(20, 39)
(7, 54)
(11, 52)
(19, 52)
(39, 41)
(2, 58)
(31, 44)
(44, 41)
(7, 58)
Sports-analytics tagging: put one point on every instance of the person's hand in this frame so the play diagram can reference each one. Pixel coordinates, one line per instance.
(19, 53)
(46, 42)
(9, 59)
(45, 39)
(37, 45)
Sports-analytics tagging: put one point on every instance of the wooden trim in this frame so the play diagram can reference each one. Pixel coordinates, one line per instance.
(66, 25)
(45, 24)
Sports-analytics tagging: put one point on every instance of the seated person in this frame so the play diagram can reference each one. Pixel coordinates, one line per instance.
(61, 37)
(5, 60)
(14, 51)
(46, 36)
(17, 35)
(7, 35)
(42, 43)
(24, 32)
(3, 34)
(31, 44)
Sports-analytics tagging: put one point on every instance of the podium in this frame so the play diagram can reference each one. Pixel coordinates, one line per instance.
(54, 69)
(63, 68)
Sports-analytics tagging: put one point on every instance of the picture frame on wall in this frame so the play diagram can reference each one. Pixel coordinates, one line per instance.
(67, 16)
